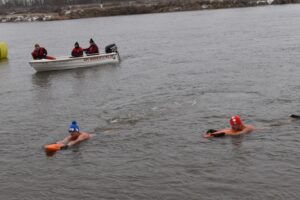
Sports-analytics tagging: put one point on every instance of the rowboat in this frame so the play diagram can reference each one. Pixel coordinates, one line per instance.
(110, 56)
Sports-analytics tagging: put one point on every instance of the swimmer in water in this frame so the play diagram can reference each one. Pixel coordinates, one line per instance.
(76, 136)
(237, 128)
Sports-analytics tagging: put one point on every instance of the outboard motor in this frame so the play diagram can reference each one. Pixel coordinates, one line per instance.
(111, 48)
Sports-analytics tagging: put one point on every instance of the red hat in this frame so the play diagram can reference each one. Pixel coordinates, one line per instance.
(236, 120)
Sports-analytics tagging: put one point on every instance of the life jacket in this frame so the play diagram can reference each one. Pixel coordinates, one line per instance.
(39, 54)
(77, 52)
(93, 49)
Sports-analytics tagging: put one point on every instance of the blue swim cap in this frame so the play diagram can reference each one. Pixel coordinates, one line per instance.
(74, 127)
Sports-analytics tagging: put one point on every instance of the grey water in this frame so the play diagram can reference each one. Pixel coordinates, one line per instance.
(181, 74)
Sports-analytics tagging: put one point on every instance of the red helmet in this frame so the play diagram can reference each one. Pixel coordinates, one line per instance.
(236, 120)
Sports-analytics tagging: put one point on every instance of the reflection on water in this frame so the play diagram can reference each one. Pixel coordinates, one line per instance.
(4, 64)
(50, 153)
(41, 79)
(4, 61)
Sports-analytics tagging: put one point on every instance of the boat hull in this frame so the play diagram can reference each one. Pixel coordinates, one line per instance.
(64, 63)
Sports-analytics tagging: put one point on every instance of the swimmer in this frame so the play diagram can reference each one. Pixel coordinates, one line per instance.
(237, 128)
(76, 136)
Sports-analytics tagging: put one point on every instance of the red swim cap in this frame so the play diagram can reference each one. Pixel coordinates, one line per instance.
(236, 120)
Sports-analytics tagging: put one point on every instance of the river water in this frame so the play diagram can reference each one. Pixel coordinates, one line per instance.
(181, 74)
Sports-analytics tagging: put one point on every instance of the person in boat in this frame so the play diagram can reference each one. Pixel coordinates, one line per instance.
(76, 136)
(40, 53)
(93, 48)
(77, 51)
(237, 127)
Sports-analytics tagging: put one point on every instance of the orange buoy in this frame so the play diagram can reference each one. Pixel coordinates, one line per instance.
(53, 147)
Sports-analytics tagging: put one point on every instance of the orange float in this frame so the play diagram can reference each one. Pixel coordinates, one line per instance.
(53, 147)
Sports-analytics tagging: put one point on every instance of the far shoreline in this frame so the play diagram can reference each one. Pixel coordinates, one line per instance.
(102, 10)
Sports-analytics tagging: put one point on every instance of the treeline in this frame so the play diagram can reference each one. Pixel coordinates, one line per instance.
(35, 3)
(115, 7)
(47, 3)
(286, 1)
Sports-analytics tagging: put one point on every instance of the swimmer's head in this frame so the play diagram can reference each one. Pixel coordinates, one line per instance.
(74, 128)
(236, 122)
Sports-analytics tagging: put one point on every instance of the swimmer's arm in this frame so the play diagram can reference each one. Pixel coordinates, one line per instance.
(64, 141)
(72, 143)
(214, 133)
(248, 129)
(82, 137)
(222, 131)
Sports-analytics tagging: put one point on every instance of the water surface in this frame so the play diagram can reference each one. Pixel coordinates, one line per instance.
(181, 74)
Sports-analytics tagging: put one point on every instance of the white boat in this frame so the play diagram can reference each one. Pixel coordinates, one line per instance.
(65, 62)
